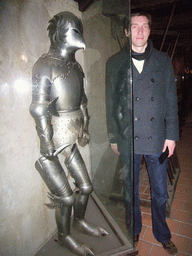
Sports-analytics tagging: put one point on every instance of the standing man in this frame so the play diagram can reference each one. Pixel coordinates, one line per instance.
(155, 121)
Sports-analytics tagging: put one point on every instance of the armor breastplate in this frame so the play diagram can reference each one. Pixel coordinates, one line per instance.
(59, 80)
(67, 85)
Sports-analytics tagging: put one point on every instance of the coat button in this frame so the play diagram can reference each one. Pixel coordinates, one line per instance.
(152, 118)
(136, 137)
(152, 98)
(152, 80)
(150, 138)
(137, 98)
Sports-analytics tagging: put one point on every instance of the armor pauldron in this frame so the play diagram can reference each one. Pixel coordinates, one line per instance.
(39, 109)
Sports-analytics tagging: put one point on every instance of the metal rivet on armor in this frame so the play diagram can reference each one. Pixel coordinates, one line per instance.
(152, 98)
(149, 138)
(152, 80)
(137, 98)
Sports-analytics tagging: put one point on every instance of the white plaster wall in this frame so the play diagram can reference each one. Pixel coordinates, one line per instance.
(25, 223)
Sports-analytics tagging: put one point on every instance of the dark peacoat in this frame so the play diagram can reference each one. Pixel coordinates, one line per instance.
(152, 112)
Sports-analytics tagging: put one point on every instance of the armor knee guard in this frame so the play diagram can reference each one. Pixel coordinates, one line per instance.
(55, 178)
(78, 171)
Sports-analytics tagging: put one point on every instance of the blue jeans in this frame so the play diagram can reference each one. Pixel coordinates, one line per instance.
(158, 182)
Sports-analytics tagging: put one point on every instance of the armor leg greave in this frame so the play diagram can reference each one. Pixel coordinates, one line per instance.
(63, 220)
(55, 178)
(78, 171)
(80, 223)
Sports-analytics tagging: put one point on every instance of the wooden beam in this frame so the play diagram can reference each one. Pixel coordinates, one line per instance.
(167, 28)
(148, 3)
(84, 4)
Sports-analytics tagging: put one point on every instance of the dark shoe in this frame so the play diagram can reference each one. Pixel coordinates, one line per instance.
(170, 247)
(136, 239)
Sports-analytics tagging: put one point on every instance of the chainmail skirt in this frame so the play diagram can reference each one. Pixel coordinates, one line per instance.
(67, 128)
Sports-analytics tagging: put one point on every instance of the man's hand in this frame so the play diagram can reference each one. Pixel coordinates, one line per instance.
(114, 148)
(171, 146)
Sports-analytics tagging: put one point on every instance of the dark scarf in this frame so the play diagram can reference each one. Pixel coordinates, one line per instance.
(144, 55)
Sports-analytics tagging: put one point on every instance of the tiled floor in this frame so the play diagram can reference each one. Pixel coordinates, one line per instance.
(180, 219)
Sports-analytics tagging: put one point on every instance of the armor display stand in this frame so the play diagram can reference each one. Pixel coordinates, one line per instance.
(59, 109)
(115, 243)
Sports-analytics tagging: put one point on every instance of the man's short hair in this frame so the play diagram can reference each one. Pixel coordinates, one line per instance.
(136, 14)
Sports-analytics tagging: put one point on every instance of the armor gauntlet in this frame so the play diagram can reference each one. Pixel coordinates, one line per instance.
(84, 139)
(42, 116)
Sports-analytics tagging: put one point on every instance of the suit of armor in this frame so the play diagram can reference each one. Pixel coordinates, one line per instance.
(59, 108)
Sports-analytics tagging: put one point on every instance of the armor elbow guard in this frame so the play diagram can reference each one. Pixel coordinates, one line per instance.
(39, 109)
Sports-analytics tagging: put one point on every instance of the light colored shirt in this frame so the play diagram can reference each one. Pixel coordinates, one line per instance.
(138, 64)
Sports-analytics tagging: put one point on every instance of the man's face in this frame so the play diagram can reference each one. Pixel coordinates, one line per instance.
(140, 32)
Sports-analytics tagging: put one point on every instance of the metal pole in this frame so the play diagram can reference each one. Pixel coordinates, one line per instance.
(175, 45)
(168, 26)
(168, 49)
